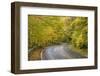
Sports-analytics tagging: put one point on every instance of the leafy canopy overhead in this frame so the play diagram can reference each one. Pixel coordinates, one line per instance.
(50, 30)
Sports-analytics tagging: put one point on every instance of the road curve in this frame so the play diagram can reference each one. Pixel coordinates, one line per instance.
(59, 52)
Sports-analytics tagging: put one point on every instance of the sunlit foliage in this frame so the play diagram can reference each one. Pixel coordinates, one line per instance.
(78, 32)
(50, 30)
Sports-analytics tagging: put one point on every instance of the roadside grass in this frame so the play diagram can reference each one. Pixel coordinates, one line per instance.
(35, 54)
(82, 52)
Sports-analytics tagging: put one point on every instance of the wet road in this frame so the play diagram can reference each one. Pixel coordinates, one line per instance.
(59, 52)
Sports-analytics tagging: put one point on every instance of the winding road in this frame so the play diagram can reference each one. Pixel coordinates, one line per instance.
(62, 51)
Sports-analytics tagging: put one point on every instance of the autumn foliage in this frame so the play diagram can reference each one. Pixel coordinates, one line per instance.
(51, 30)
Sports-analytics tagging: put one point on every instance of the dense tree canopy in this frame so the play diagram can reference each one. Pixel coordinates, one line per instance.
(50, 30)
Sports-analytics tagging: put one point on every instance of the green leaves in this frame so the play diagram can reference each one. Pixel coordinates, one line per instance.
(78, 32)
(44, 30)
(50, 30)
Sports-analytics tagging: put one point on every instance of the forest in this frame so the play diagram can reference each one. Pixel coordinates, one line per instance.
(44, 31)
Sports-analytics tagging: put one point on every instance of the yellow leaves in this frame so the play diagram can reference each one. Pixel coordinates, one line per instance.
(48, 30)
(79, 40)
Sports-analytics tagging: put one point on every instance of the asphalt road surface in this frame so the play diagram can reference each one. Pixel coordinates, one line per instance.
(59, 52)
